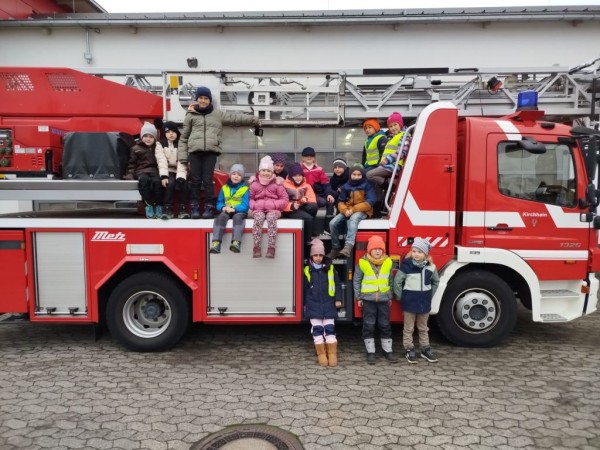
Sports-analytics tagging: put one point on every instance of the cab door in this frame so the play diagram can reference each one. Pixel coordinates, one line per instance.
(531, 207)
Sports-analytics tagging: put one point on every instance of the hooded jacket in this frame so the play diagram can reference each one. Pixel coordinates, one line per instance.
(415, 285)
(360, 196)
(142, 159)
(318, 304)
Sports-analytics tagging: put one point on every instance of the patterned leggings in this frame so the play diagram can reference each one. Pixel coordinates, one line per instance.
(259, 220)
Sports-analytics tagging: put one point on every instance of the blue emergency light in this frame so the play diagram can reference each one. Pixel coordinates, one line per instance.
(527, 100)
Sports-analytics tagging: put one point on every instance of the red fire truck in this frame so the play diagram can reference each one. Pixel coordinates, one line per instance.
(508, 203)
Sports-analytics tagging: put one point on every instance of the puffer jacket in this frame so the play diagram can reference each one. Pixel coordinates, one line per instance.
(415, 285)
(318, 304)
(295, 193)
(360, 197)
(272, 197)
(166, 156)
(204, 132)
(142, 159)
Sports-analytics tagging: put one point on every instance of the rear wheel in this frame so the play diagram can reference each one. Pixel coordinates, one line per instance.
(148, 311)
(478, 310)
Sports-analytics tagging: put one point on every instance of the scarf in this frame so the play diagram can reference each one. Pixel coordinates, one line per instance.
(378, 261)
(263, 180)
(204, 111)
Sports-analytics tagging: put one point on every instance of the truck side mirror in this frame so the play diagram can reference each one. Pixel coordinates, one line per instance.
(258, 131)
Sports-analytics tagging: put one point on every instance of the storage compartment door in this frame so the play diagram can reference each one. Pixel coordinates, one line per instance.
(13, 280)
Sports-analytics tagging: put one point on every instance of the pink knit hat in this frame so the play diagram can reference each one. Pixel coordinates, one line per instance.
(396, 117)
(317, 247)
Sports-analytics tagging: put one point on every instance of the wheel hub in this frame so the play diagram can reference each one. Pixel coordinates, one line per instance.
(146, 314)
(476, 311)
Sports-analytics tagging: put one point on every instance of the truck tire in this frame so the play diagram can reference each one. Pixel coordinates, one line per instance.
(478, 310)
(148, 312)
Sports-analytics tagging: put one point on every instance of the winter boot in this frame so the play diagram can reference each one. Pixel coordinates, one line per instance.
(386, 346)
(167, 213)
(270, 252)
(347, 251)
(332, 353)
(149, 211)
(183, 214)
(195, 208)
(334, 253)
(256, 252)
(158, 214)
(370, 346)
(321, 354)
(208, 212)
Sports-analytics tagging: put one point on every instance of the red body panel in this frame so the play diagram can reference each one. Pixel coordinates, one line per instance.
(12, 275)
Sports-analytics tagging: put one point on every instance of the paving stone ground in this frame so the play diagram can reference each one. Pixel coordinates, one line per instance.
(61, 390)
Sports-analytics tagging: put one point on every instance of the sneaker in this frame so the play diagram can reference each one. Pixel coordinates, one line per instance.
(167, 213)
(183, 215)
(235, 246)
(371, 358)
(427, 353)
(195, 211)
(215, 247)
(208, 212)
(149, 211)
(411, 355)
(391, 357)
(158, 212)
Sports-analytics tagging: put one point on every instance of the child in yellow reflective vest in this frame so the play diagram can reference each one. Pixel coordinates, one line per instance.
(372, 289)
(233, 203)
(322, 297)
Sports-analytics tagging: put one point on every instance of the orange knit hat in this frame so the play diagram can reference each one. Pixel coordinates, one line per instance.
(373, 122)
(375, 242)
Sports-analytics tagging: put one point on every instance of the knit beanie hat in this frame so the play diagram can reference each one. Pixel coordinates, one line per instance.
(295, 169)
(238, 168)
(358, 167)
(266, 163)
(203, 91)
(373, 122)
(148, 128)
(340, 163)
(422, 244)
(375, 242)
(278, 158)
(308, 151)
(317, 247)
(396, 117)
(171, 126)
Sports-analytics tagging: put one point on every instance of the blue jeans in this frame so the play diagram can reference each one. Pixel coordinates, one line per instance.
(341, 222)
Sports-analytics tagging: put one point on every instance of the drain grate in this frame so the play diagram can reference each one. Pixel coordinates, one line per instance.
(249, 437)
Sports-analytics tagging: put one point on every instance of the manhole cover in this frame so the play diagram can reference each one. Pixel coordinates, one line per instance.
(249, 437)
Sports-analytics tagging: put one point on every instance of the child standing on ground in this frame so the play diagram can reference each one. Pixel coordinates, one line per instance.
(374, 144)
(315, 176)
(233, 203)
(322, 297)
(200, 145)
(372, 288)
(144, 167)
(267, 200)
(415, 284)
(173, 174)
(355, 203)
(302, 201)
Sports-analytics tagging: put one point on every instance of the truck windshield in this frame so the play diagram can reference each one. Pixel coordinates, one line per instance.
(548, 177)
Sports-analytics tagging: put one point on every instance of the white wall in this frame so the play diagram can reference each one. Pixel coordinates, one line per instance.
(292, 48)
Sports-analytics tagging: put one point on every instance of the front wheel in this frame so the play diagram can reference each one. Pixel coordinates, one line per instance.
(148, 312)
(478, 310)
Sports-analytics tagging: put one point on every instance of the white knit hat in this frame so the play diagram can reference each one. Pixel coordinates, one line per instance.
(422, 244)
(266, 163)
(148, 128)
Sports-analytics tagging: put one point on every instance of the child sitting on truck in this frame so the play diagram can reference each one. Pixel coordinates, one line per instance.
(303, 203)
(173, 174)
(322, 297)
(233, 202)
(144, 167)
(355, 203)
(315, 176)
(374, 144)
(267, 200)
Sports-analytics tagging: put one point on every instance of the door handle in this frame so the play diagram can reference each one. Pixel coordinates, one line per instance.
(500, 227)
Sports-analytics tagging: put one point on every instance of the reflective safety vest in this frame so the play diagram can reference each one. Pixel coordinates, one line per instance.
(372, 152)
(235, 199)
(375, 283)
(330, 279)
(391, 147)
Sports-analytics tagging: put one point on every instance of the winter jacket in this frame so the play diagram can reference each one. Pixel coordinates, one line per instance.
(415, 285)
(392, 149)
(166, 156)
(369, 160)
(271, 197)
(315, 176)
(243, 206)
(204, 132)
(295, 193)
(357, 283)
(359, 196)
(336, 182)
(318, 304)
(142, 159)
